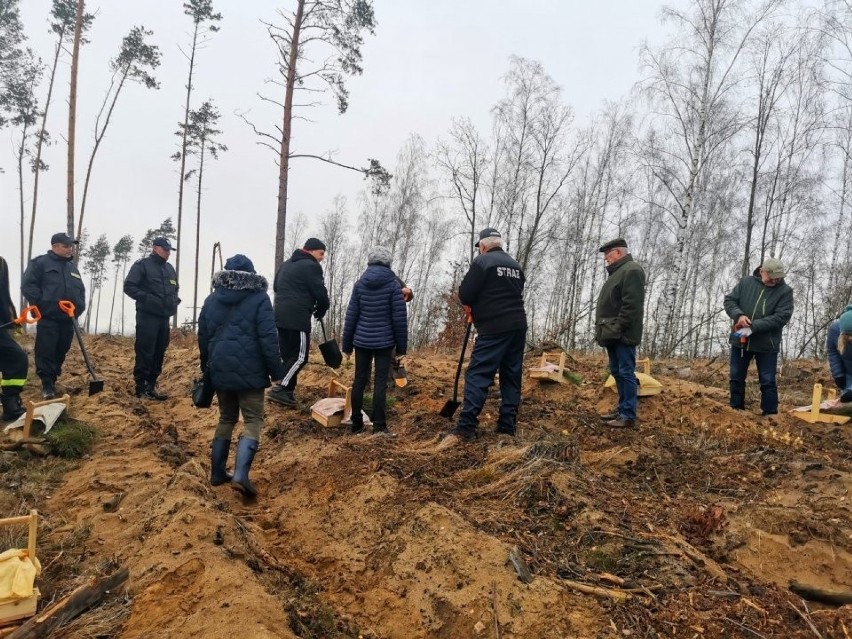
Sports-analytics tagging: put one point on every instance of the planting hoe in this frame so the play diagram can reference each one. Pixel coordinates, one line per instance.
(23, 319)
(95, 385)
(453, 404)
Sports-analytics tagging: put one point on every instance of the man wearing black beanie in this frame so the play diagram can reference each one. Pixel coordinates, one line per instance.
(299, 293)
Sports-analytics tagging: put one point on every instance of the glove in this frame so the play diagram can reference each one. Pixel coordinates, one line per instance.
(840, 382)
(319, 315)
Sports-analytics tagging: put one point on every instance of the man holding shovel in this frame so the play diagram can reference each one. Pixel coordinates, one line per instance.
(493, 290)
(49, 279)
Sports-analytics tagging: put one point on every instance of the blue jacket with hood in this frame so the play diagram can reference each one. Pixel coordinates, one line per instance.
(376, 317)
(237, 335)
(840, 363)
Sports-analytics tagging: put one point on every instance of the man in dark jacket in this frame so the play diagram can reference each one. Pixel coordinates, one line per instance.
(49, 279)
(13, 359)
(239, 349)
(760, 305)
(299, 293)
(152, 282)
(618, 327)
(838, 345)
(376, 323)
(493, 289)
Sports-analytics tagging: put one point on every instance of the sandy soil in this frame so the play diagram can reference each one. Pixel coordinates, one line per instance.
(691, 525)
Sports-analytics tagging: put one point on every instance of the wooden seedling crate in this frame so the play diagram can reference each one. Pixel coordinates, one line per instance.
(26, 607)
(334, 421)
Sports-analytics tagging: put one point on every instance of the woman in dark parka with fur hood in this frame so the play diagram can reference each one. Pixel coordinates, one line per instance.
(238, 342)
(376, 323)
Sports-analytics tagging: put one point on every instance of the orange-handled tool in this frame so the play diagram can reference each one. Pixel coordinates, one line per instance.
(67, 307)
(96, 385)
(23, 317)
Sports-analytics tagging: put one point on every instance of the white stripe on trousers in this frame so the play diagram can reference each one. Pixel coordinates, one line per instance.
(303, 355)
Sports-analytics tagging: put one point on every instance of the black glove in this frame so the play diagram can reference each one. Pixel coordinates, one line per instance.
(319, 315)
(840, 382)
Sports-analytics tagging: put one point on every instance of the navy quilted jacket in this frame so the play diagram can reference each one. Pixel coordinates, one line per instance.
(237, 335)
(376, 317)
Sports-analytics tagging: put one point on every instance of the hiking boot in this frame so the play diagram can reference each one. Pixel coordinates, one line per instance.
(609, 416)
(148, 391)
(12, 407)
(454, 437)
(846, 396)
(48, 389)
(621, 422)
(281, 395)
(357, 426)
(505, 430)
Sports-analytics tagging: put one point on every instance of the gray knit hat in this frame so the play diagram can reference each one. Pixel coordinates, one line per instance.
(380, 255)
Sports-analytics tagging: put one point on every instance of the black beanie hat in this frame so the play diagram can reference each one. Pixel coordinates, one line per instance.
(313, 244)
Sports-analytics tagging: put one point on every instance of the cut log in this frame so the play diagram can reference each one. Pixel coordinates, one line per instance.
(812, 593)
(66, 609)
(608, 593)
(111, 504)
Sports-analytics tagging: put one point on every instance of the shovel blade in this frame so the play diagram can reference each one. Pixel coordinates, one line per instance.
(449, 409)
(96, 387)
(400, 377)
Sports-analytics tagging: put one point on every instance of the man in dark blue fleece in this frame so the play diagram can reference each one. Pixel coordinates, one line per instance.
(493, 288)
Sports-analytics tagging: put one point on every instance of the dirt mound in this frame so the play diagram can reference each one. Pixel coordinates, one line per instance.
(691, 525)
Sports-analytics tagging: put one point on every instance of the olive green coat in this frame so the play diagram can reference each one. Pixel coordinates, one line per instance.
(621, 304)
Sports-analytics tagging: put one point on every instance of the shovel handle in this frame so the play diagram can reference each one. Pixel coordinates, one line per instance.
(67, 307)
(23, 317)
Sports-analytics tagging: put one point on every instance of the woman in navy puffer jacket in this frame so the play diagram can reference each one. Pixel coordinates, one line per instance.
(376, 323)
(239, 349)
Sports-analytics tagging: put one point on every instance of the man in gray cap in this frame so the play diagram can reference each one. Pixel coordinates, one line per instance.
(618, 327)
(48, 280)
(152, 282)
(760, 306)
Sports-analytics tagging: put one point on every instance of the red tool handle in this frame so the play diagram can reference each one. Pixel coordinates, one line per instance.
(29, 310)
(67, 307)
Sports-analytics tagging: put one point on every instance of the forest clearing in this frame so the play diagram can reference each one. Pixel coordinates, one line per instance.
(692, 525)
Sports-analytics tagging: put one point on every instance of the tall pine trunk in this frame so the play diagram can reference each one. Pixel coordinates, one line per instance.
(284, 160)
(72, 116)
(197, 238)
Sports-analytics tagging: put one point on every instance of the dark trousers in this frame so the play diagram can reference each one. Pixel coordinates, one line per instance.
(622, 365)
(767, 364)
(152, 339)
(363, 363)
(503, 352)
(231, 404)
(53, 339)
(294, 354)
(13, 364)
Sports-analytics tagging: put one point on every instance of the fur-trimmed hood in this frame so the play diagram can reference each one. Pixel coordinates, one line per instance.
(240, 281)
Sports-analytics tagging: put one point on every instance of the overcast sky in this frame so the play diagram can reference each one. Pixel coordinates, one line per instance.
(429, 61)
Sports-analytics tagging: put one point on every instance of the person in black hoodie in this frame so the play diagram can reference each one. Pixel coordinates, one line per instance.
(49, 279)
(299, 293)
(239, 348)
(13, 359)
(376, 323)
(152, 282)
(493, 289)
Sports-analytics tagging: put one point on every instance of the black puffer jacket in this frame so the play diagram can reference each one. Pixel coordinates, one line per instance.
(299, 292)
(494, 290)
(236, 333)
(7, 307)
(621, 304)
(50, 278)
(152, 282)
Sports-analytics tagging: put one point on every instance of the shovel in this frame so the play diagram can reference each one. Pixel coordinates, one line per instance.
(400, 377)
(96, 385)
(453, 404)
(23, 319)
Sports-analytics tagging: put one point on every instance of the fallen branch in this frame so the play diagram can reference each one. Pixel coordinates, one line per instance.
(752, 631)
(812, 593)
(615, 595)
(69, 607)
(807, 619)
(18, 445)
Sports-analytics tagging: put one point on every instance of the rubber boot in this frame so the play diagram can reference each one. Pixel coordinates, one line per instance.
(246, 448)
(219, 450)
(12, 407)
(48, 388)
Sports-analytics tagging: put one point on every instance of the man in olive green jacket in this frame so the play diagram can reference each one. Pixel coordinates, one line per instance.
(760, 306)
(618, 327)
